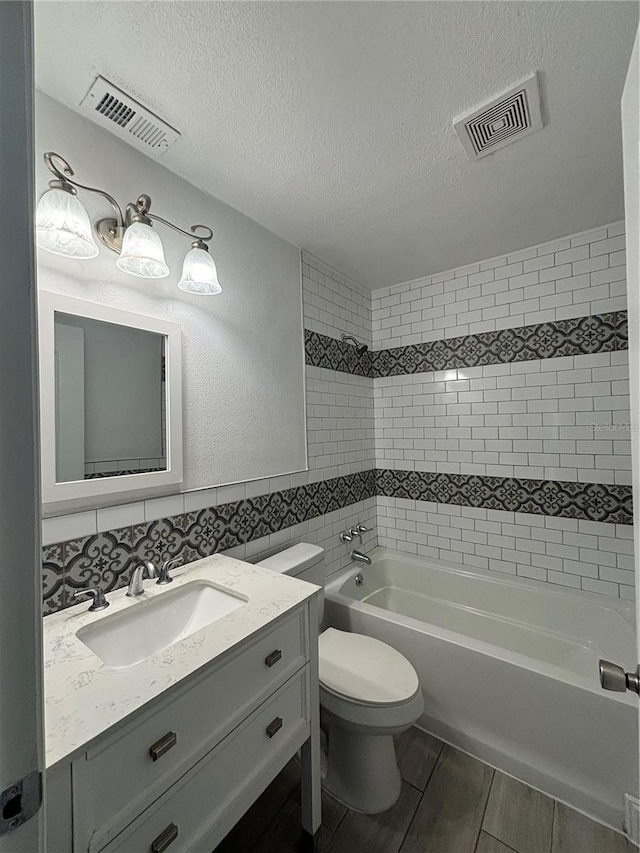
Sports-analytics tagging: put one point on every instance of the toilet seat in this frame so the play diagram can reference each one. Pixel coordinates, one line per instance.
(364, 670)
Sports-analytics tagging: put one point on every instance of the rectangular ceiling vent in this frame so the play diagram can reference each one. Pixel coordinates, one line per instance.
(506, 119)
(118, 112)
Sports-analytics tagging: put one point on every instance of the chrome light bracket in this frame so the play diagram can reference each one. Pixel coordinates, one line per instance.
(111, 233)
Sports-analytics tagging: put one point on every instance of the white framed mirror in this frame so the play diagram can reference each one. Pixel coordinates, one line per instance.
(110, 401)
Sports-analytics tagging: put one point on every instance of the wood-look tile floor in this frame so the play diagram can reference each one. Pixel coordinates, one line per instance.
(450, 803)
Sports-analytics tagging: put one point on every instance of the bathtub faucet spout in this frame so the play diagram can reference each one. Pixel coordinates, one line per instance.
(359, 557)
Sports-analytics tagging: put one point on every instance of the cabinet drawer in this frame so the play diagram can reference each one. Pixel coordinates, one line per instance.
(191, 815)
(116, 780)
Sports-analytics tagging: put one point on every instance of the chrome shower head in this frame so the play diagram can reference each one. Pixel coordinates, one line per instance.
(360, 347)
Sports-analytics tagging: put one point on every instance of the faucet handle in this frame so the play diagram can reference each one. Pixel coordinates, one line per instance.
(97, 593)
(362, 529)
(346, 536)
(163, 574)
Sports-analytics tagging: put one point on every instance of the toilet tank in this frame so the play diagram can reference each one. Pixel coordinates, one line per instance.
(304, 561)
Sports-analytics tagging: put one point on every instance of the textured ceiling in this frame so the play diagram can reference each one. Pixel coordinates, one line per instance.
(331, 123)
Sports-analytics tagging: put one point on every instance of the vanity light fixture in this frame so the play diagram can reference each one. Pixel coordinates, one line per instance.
(63, 227)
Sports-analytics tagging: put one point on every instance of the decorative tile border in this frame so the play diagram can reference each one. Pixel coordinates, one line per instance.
(108, 558)
(100, 475)
(588, 501)
(323, 351)
(577, 336)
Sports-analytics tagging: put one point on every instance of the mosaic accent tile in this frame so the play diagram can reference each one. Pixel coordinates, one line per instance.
(53, 591)
(159, 540)
(123, 473)
(203, 530)
(323, 351)
(577, 336)
(622, 330)
(102, 558)
(108, 558)
(588, 501)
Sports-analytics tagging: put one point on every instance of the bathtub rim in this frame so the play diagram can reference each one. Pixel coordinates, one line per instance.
(624, 608)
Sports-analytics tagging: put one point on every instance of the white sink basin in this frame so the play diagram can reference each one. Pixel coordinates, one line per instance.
(138, 632)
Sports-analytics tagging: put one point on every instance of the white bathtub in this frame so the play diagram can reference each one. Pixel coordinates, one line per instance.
(509, 671)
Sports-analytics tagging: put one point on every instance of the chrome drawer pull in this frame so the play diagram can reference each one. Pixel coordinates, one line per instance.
(166, 838)
(274, 726)
(163, 745)
(273, 657)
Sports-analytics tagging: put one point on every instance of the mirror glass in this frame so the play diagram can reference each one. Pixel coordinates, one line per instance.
(110, 399)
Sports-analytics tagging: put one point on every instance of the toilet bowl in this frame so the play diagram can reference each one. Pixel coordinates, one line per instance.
(369, 692)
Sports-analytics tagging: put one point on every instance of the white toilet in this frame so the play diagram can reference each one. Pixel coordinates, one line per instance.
(368, 693)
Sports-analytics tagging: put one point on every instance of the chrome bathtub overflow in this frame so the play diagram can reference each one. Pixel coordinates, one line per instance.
(613, 677)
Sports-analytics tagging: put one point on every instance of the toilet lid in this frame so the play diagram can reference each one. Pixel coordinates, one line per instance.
(364, 668)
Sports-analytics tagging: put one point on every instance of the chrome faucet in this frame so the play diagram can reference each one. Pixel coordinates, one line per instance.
(99, 602)
(354, 532)
(359, 557)
(358, 530)
(136, 584)
(163, 575)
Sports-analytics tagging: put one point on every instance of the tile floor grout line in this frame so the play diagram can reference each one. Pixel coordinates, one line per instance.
(553, 825)
(484, 811)
(434, 767)
(495, 838)
(333, 831)
(413, 817)
(422, 795)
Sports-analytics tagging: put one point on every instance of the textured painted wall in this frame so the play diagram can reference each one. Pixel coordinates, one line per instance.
(242, 351)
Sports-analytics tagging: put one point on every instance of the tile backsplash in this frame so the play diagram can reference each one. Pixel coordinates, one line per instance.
(263, 521)
(489, 427)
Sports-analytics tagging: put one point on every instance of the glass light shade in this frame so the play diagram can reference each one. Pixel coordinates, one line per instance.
(199, 274)
(63, 226)
(142, 252)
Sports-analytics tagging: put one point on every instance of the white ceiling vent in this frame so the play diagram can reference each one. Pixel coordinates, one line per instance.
(507, 118)
(118, 112)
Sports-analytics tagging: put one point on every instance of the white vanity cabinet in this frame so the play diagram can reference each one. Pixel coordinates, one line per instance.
(180, 772)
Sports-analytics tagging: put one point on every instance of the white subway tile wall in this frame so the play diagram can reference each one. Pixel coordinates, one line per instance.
(558, 418)
(333, 304)
(340, 433)
(554, 419)
(572, 277)
(583, 555)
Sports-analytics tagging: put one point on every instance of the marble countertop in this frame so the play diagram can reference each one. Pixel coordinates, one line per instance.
(84, 697)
